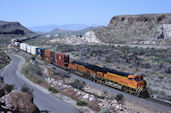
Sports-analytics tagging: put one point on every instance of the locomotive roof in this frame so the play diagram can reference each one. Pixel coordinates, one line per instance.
(102, 69)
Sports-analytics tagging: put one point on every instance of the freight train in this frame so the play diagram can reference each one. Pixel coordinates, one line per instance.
(133, 84)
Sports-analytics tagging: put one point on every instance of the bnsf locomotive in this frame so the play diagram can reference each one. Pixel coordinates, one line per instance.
(133, 84)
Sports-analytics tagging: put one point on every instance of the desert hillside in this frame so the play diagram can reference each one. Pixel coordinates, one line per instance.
(139, 29)
(13, 28)
(10, 30)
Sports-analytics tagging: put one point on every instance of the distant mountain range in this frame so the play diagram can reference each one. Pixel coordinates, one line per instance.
(70, 27)
(64, 33)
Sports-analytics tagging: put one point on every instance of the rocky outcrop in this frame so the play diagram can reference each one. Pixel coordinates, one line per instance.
(18, 102)
(152, 18)
(144, 29)
(88, 38)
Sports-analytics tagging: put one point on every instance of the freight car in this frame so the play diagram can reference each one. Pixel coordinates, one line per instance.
(62, 60)
(47, 55)
(133, 84)
(40, 53)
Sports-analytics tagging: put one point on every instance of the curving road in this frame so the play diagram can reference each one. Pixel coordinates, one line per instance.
(46, 102)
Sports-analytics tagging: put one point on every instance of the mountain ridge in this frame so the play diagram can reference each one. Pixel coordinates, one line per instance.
(64, 33)
(48, 28)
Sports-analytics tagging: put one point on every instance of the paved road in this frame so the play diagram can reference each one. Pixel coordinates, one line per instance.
(42, 98)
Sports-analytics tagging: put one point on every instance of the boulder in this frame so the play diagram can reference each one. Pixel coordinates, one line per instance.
(18, 102)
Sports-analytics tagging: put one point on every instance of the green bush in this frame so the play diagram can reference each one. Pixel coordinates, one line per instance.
(119, 98)
(26, 89)
(108, 60)
(81, 103)
(161, 77)
(9, 87)
(53, 90)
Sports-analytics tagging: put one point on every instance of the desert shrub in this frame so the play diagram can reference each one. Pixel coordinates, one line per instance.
(78, 84)
(33, 70)
(101, 97)
(26, 89)
(104, 111)
(9, 87)
(1, 79)
(161, 77)
(53, 90)
(168, 98)
(108, 60)
(35, 79)
(119, 98)
(91, 54)
(81, 103)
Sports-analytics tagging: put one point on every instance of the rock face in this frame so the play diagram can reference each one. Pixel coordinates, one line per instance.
(18, 102)
(137, 29)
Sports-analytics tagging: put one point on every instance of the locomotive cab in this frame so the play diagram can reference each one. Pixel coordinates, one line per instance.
(131, 77)
(141, 86)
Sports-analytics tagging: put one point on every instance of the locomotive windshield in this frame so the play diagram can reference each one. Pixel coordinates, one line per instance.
(137, 79)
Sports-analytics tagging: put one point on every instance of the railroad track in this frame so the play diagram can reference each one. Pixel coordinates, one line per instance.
(148, 99)
(159, 101)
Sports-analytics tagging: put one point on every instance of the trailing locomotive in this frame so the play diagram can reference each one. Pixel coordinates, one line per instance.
(133, 84)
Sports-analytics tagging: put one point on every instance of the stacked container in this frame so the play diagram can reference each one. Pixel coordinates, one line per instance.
(62, 60)
(40, 53)
(29, 49)
(47, 55)
(33, 50)
(23, 46)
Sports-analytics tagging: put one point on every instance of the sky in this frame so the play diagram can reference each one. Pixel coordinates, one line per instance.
(59, 12)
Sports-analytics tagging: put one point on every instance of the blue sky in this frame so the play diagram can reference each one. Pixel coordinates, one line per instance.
(46, 12)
